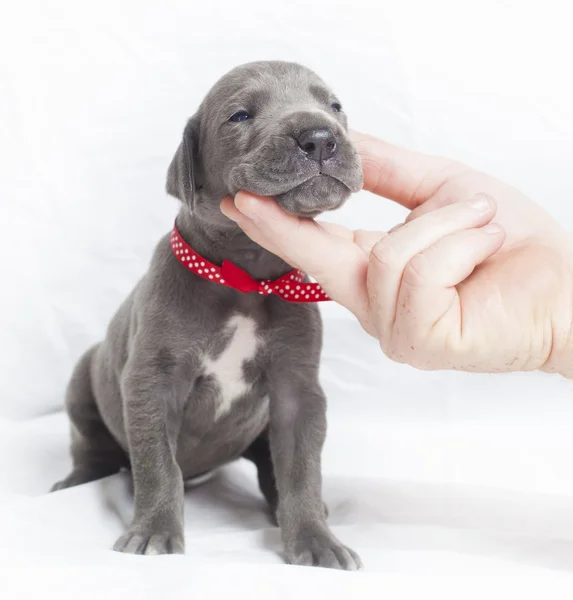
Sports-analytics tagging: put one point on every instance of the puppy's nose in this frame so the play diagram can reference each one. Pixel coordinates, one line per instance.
(318, 144)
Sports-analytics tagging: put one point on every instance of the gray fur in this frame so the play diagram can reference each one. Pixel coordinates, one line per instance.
(144, 398)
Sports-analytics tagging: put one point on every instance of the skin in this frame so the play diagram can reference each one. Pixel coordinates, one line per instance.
(144, 397)
(478, 278)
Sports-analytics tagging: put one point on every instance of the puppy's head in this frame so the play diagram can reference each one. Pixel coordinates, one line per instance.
(270, 128)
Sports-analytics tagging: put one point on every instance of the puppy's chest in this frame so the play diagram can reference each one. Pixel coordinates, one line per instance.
(230, 362)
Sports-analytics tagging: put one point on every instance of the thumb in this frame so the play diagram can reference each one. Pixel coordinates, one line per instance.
(401, 175)
(332, 259)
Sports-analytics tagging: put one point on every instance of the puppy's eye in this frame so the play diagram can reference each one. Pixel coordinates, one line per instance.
(336, 106)
(239, 116)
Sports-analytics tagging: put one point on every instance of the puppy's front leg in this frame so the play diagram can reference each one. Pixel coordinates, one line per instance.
(152, 425)
(297, 432)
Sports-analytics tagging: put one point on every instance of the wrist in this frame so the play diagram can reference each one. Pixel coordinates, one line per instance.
(561, 357)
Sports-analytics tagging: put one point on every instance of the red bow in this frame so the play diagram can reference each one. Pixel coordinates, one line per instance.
(290, 287)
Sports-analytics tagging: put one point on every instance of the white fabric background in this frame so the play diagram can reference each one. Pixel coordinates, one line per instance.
(444, 482)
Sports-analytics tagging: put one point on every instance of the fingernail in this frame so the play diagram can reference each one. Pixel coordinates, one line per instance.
(492, 229)
(481, 202)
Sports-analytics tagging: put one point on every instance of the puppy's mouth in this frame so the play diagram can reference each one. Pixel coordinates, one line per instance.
(320, 176)
(250, 177)
(315, 195)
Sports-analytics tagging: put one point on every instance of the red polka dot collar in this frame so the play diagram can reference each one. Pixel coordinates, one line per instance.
(289, 287)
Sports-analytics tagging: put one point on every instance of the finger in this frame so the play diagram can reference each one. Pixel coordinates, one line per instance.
(229, 209)
(472, 182)
(392, 254)
(396, 227)
(325, 251)
(336, 229)
(256, 229)
(452, 259)
(302, 243)
(406, 177)
(428, 297)
(364, 239)
(435, 202)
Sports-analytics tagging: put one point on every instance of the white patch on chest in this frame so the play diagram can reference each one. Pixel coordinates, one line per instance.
(227, 368)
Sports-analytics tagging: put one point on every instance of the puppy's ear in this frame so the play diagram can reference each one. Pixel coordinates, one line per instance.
(181, 175)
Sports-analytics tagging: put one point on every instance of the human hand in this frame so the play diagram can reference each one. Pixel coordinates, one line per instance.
(458, 285)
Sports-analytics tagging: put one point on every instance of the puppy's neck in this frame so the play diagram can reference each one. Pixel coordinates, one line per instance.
(217, 244)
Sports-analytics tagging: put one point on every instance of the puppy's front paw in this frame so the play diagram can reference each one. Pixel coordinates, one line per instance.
(316, 546)
(141, 541)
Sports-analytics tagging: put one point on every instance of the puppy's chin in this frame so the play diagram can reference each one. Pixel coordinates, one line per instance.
(315, 196)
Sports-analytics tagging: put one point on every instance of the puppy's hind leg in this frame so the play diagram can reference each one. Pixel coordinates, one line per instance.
(95, 453)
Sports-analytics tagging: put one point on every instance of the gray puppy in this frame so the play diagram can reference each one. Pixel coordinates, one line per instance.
(193, 374)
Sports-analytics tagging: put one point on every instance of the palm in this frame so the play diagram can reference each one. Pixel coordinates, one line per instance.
(499, 308)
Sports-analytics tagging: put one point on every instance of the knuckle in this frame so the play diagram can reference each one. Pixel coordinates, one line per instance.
(417, 271)
(384, 254)
(366, 240)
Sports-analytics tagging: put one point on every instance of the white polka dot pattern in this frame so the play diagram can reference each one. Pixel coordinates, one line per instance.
(290, 287)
